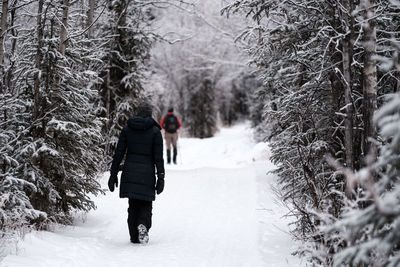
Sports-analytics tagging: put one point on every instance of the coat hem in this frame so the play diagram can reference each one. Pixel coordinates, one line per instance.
(137, 196)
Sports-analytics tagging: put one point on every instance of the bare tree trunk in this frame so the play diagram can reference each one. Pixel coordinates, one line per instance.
(4, 15)
(3, 31)
(107, 100)
(349, 135)
(38, 58)
(10, 70)
(108, 96)
(336, 83)
(369, 74)
(64, 21)
(92, 6)
(397, 88)
(397, 66)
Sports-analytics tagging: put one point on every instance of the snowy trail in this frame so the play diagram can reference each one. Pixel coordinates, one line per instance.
(217, 210)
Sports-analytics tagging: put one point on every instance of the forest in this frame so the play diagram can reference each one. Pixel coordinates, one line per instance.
(318, 80)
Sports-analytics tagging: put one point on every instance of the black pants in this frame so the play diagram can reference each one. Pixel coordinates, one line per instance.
(139, 212)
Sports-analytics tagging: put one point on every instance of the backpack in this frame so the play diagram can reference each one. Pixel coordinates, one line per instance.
(171, 123)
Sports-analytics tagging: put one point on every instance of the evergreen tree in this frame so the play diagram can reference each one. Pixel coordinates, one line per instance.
(52, 152)
(200, 118)
(234, 102)
(369, 234)
(320, 87)
(127, 50)
(16, 210)
(52, 130)
(298, 97)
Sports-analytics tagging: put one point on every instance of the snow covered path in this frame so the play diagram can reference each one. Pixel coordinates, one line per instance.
(217, 210)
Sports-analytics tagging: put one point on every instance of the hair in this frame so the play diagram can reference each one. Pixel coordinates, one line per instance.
(171, 109)
(145, 109)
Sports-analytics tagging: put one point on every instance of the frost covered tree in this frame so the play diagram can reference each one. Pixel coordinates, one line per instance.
(50, 136)
(8, 43)
(72, 75)
(200, 119)
(369, 234)
(317, 62)
(234, 99)
(199, 49)
(16, 209)
(128, 40)
(3, 28)
(298, 99)
(366, 233)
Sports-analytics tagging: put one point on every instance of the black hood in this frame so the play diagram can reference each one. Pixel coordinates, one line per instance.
(142, 123)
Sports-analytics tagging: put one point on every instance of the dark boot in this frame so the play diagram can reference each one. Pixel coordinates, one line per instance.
(175, 154)
(132, 224)
(139, 213)
(169, 156)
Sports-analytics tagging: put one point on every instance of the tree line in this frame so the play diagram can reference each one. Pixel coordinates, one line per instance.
(199, 69)
(331, 77)
(71, 75)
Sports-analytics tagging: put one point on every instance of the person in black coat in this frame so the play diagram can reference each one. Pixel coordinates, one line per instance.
(141, 141)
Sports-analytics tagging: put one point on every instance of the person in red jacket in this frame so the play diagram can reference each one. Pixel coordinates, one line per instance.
(171, 123)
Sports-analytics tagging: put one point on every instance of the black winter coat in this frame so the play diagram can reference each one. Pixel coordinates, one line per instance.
(142, 142)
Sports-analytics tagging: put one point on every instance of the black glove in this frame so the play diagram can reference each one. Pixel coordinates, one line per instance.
(160, 183)
(113, 182)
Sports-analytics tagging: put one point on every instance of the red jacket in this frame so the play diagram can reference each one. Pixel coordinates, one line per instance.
(170, 113)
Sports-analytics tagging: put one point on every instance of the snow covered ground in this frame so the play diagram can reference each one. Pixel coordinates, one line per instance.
(217, 209)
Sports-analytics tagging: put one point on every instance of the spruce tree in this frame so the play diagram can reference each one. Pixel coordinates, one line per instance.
(55, 147)
(124, 28)
(315, 65)
(200, 118)
(368, 230)
(53, 133)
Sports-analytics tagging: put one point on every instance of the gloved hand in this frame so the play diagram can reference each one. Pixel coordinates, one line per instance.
(113, 182)
(160, 183)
